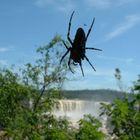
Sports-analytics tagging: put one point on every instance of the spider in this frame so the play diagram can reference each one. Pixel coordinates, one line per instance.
(78, 46)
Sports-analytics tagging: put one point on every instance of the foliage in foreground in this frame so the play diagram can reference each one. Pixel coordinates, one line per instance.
(124, 115)
(27, 100)
(89, 129)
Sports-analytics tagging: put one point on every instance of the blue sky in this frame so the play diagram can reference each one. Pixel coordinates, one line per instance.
(27, 24)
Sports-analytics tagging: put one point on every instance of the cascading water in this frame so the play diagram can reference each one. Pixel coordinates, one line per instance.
(75, 109)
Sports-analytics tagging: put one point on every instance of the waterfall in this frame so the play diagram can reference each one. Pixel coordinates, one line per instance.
(75, 109)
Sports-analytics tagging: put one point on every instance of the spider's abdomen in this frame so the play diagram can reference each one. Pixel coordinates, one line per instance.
(79, 40)
(78, 49)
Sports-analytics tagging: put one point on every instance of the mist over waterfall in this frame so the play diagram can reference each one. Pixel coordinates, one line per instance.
(75, 109)
(78, 103)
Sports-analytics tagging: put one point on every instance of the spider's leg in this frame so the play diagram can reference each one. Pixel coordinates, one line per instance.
(94, 49)
(64, 55)
(90, 29)
(68, 49)
(81, 68)
(69, 65)
(90, 63)
(65, 45)
(69, 29)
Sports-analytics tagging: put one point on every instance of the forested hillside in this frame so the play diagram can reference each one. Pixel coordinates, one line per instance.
(96, 95)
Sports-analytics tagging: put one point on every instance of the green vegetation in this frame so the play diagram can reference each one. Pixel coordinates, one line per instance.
(106, 95)
(89, 129)
(27, 100)
(27, 96)
(124, 115)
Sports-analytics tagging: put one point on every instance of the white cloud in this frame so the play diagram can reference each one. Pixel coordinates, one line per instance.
(102, 78)
(61, 5)
(103, 4)
(69, 5)
(3, 62)
(100, 72)
(130, 22)
(6, 48)
(3, 49)
(44, 3)
(122, 2)
(117, 59)
(86, 84)
(88, 71)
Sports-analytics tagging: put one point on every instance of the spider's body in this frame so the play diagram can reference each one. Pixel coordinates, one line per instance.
(78, 49)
